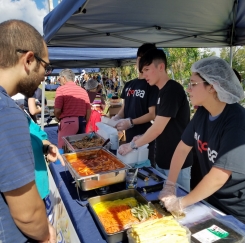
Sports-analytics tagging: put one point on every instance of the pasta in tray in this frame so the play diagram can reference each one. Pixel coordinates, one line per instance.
(102, 163)
(86, 142)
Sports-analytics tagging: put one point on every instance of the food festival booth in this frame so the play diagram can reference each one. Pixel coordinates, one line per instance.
(108, 24)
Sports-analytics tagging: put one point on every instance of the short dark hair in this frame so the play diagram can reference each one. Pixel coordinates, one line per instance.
(144, 48)
(151, 56)
(17, 34)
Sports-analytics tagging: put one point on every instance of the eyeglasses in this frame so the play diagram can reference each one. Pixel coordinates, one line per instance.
(192, 85)
(48, 68)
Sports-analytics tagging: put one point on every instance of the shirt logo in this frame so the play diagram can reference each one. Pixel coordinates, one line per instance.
(136, 92)
(203, 146)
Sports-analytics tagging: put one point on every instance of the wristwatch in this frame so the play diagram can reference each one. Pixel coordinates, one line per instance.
(133, 145)
(131, 121)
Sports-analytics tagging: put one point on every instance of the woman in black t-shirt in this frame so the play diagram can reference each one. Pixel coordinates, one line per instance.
(217, 133)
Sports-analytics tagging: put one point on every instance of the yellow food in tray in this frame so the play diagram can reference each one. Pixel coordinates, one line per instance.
(163, 230)
(116, 216)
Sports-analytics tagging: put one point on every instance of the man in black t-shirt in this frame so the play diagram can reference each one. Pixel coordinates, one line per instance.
(139, 106)
(172, 116)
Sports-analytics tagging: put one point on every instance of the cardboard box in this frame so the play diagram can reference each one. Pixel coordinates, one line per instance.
(114, 109)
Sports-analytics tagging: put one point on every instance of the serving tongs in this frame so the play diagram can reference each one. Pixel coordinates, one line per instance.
(91, 135)
(92, 156)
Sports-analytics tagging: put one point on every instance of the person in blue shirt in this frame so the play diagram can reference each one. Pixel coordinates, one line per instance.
(24, 63)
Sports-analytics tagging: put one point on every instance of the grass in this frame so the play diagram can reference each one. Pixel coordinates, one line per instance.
(50, 95)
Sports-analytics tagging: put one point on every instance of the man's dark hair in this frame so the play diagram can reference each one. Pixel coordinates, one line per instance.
(154, 55)
(17, 34)
(144, 48)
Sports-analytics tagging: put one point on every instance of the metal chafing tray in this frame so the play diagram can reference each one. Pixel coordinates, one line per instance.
(98, 180)
(121, 235)
(70, 142)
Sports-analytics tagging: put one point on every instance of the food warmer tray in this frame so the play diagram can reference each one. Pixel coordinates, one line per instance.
(98, 180)
(121, 235)
(70, 140)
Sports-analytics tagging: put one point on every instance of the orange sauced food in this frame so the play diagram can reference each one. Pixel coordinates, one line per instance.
(86, 166)
(116, 215)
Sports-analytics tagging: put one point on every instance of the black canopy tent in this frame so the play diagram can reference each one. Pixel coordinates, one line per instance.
(168, 23)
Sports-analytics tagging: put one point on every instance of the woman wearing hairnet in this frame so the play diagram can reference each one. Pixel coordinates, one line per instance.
(217, 133)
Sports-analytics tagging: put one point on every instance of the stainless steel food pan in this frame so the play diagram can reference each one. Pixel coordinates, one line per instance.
(121, 235)
(97, 180)
(70, 142)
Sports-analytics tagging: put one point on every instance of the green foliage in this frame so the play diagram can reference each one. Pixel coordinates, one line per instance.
(181, 59)
(127, 72)
(238, 60)
(179, 64)
(50, 95)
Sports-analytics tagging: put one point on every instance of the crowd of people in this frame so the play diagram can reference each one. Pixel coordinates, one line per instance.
(155, 111)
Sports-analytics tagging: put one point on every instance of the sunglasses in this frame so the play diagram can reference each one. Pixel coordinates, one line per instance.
(48, 68)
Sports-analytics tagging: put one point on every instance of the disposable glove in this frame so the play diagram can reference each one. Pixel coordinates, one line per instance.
(116, 118)
(169, 190)
(136, 137)
(123, 124)
(174, 205)
(125, 149)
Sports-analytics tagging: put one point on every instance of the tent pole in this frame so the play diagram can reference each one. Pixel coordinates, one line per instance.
(119, 76)
(43, 105)
(231, 55)
(235, 5)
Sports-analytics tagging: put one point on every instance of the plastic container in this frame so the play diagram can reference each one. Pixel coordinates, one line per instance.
(130, 158)
(136, 156)
(105, 131)
(114, 141)
(131, 180)
(213, 230)
(143, 153)
(132, 240)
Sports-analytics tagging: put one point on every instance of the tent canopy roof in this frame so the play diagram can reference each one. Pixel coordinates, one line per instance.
(65, 57)
(77, 71)
(127, 23)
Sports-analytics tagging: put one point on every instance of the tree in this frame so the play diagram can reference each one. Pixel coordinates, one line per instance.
(127, 72)
(179, 64)
(181, 59)
(238, 60)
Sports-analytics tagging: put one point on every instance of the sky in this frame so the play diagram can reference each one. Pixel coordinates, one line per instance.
(31, 11)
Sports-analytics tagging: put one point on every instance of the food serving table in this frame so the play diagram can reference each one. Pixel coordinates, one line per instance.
(52, 132)
(83, 222)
